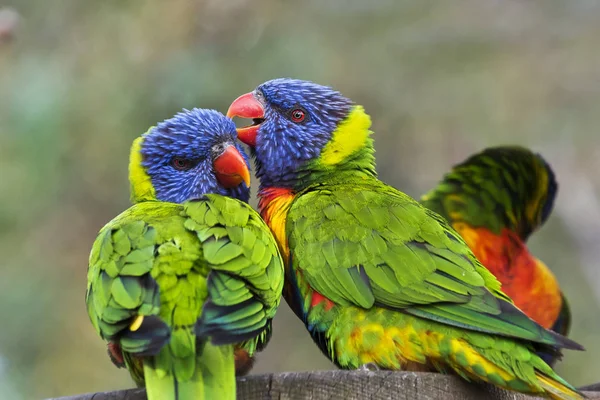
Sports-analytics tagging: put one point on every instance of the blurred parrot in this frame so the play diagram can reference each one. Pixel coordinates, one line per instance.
(376, 277)
(495, 199)
(190, 269)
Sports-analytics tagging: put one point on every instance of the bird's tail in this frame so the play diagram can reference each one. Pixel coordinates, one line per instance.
(558, 389)
(209, 375)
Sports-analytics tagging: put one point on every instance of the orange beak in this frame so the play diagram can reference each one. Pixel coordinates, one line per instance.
(247, 106)
(231, 168)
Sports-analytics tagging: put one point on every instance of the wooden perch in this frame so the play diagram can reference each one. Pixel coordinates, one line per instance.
(347, 385)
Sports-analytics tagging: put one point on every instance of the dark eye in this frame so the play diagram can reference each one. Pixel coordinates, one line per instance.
(181, 164)
(298, 115)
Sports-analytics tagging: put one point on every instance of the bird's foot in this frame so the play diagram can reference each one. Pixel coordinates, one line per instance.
(115, 354)
(369, 367)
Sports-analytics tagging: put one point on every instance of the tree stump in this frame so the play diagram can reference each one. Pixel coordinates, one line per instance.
(347, 385)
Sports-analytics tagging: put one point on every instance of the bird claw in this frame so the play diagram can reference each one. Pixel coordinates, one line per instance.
(115, 354)
(369, 367)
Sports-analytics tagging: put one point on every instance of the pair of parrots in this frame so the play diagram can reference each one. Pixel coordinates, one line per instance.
(184, 284)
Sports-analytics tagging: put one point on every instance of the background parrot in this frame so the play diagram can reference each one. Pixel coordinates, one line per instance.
(495, 199)
(375, 276)
(190, 268)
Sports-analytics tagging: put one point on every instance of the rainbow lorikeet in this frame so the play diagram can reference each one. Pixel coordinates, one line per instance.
(376, 277)
(495, 199)
(190, 269)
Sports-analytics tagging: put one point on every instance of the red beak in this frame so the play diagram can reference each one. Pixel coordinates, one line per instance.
(231, 168)
(246, 106)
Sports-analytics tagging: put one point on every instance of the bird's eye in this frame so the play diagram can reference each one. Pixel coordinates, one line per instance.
(298, 115)
(181, 164)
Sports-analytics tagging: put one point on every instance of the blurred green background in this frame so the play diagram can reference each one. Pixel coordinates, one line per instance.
(80, 80)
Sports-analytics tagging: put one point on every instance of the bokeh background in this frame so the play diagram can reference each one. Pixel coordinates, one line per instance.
(80, 80)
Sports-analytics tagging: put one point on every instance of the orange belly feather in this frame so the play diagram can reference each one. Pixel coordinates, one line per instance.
(524, 278)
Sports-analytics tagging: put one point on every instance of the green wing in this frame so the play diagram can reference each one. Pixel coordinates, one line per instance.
(500, 187)
(246, 278)
(372, 245)
(121, 286)
(211, 265)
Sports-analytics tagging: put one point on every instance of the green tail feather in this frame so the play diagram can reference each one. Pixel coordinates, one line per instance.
(509, 322)
(556, 387)
(513, 324)
(213, 376)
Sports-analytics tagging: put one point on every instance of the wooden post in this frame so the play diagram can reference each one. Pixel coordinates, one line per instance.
(347, 385)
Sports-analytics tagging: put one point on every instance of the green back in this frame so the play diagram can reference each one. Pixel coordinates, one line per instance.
(500, 187)
(207, 271)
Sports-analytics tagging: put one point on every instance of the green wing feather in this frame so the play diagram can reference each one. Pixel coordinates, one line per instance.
(194, 272)
(246, 278)
(120, 285)
(370, 244)
(500, 187)
(563, 322)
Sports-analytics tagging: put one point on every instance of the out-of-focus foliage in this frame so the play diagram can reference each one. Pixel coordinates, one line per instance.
(80, 79)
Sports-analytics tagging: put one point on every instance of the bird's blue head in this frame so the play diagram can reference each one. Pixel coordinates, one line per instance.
(300, 130)
(188, 156)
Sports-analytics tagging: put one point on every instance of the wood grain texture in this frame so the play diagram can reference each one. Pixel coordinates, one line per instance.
(347, 385)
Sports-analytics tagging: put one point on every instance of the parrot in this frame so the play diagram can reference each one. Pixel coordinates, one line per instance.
(378, 279)
(190, 270)
(495, 199)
